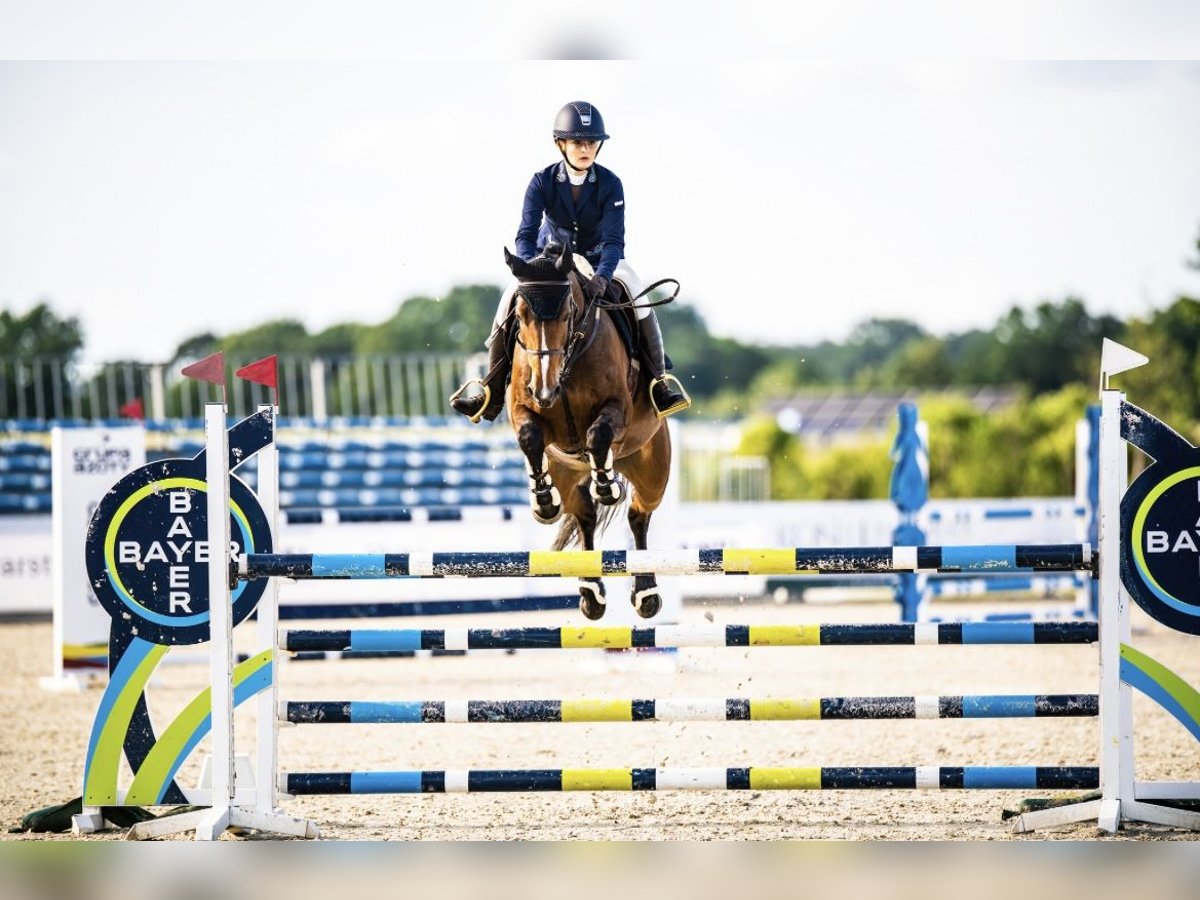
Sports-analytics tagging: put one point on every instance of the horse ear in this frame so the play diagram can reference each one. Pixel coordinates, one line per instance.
(515, 264)
(565, 264)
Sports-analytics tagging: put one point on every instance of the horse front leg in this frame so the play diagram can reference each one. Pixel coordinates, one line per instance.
(579, 504)
(544, 498)
(606, 489)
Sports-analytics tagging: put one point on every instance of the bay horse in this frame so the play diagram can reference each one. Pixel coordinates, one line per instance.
(582, 415)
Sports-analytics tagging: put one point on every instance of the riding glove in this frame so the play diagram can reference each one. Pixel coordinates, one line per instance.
(597, 285)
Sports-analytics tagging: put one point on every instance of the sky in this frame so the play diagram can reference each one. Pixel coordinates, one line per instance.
(156, 199)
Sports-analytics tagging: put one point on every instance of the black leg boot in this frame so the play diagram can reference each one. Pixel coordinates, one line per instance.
(483, 398)
(666, 393)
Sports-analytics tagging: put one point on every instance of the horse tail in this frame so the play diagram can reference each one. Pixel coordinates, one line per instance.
(569, 531)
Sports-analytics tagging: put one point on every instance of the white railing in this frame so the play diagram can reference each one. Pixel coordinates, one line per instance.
(50, 388)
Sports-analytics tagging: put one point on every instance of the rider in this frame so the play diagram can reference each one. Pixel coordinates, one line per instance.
(581, 204)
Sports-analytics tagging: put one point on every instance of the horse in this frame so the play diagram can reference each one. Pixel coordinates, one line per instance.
(580, 408)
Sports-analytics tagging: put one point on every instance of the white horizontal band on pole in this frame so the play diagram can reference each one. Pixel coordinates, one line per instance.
(928, 707)
(928, 777)
(696, 779)
(694, 710)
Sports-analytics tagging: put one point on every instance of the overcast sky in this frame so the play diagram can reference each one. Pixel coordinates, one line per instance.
(156, 200)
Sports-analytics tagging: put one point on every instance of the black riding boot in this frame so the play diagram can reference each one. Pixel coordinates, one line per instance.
(666, 393)
(487, 398)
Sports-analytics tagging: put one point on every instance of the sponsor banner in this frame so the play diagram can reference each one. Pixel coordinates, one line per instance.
(25, 561)
(85, 464)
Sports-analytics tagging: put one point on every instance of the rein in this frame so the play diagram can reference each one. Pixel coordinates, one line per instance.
(632, 302)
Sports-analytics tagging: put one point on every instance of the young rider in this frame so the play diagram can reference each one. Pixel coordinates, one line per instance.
(580, 203)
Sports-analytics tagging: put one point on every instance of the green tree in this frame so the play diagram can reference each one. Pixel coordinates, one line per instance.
(40, 332)
(336, 340)
(1045, 348)
(276, 336)
(1171, 338)
(35, 350)
(197, 347)
(922, 362)
(456, 323)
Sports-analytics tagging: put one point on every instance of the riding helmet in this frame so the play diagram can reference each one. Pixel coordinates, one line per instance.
(579, 121)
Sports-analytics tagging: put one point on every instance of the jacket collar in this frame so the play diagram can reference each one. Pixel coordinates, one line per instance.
(560, 174)
(563, 186)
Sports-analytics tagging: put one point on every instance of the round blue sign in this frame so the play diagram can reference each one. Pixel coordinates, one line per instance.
(147, 551)
(1160, 550)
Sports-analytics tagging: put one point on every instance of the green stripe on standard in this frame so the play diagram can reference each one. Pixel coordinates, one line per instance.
(1179, 690)
(100, 780)
(163, 760)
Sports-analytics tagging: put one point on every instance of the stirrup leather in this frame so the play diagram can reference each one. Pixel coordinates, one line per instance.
(682, 404)
(487, 397)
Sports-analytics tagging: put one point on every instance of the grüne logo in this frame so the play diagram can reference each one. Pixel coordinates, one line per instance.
(101, 460)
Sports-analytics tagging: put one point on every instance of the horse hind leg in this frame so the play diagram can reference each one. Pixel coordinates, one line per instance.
(648, 472)
(645, 597)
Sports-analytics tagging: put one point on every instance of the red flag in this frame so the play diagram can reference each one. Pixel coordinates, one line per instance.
(261, 372)
(210, 369)
(134, 409)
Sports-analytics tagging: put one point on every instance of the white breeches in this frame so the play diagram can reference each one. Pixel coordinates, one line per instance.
(624, 274)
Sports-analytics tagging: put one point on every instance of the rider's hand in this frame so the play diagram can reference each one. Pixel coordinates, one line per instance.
(597, 285)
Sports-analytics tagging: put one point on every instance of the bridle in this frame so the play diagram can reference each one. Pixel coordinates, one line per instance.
(578, 338)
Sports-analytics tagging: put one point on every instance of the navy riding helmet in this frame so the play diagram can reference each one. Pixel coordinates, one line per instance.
(579, 121)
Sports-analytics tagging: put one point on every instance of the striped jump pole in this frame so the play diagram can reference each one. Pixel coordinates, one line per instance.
(455, 781)
(734, 709)
(596, 563)
(625, 637)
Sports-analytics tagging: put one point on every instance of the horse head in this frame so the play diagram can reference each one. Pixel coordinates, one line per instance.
(548, 304)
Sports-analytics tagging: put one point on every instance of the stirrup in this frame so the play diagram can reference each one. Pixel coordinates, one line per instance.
(674, 408)
(487, 397)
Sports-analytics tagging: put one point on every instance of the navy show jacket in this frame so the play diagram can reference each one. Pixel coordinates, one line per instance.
(596, 224)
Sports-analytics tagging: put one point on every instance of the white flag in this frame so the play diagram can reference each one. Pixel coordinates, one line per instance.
(1116, 358)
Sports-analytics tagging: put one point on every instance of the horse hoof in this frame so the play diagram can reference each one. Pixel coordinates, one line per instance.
(608, 493)
(546, 505)
(591, 599)
(547, 515)
(647, 604)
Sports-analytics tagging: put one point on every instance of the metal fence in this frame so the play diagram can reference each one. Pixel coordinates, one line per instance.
(48, 388)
